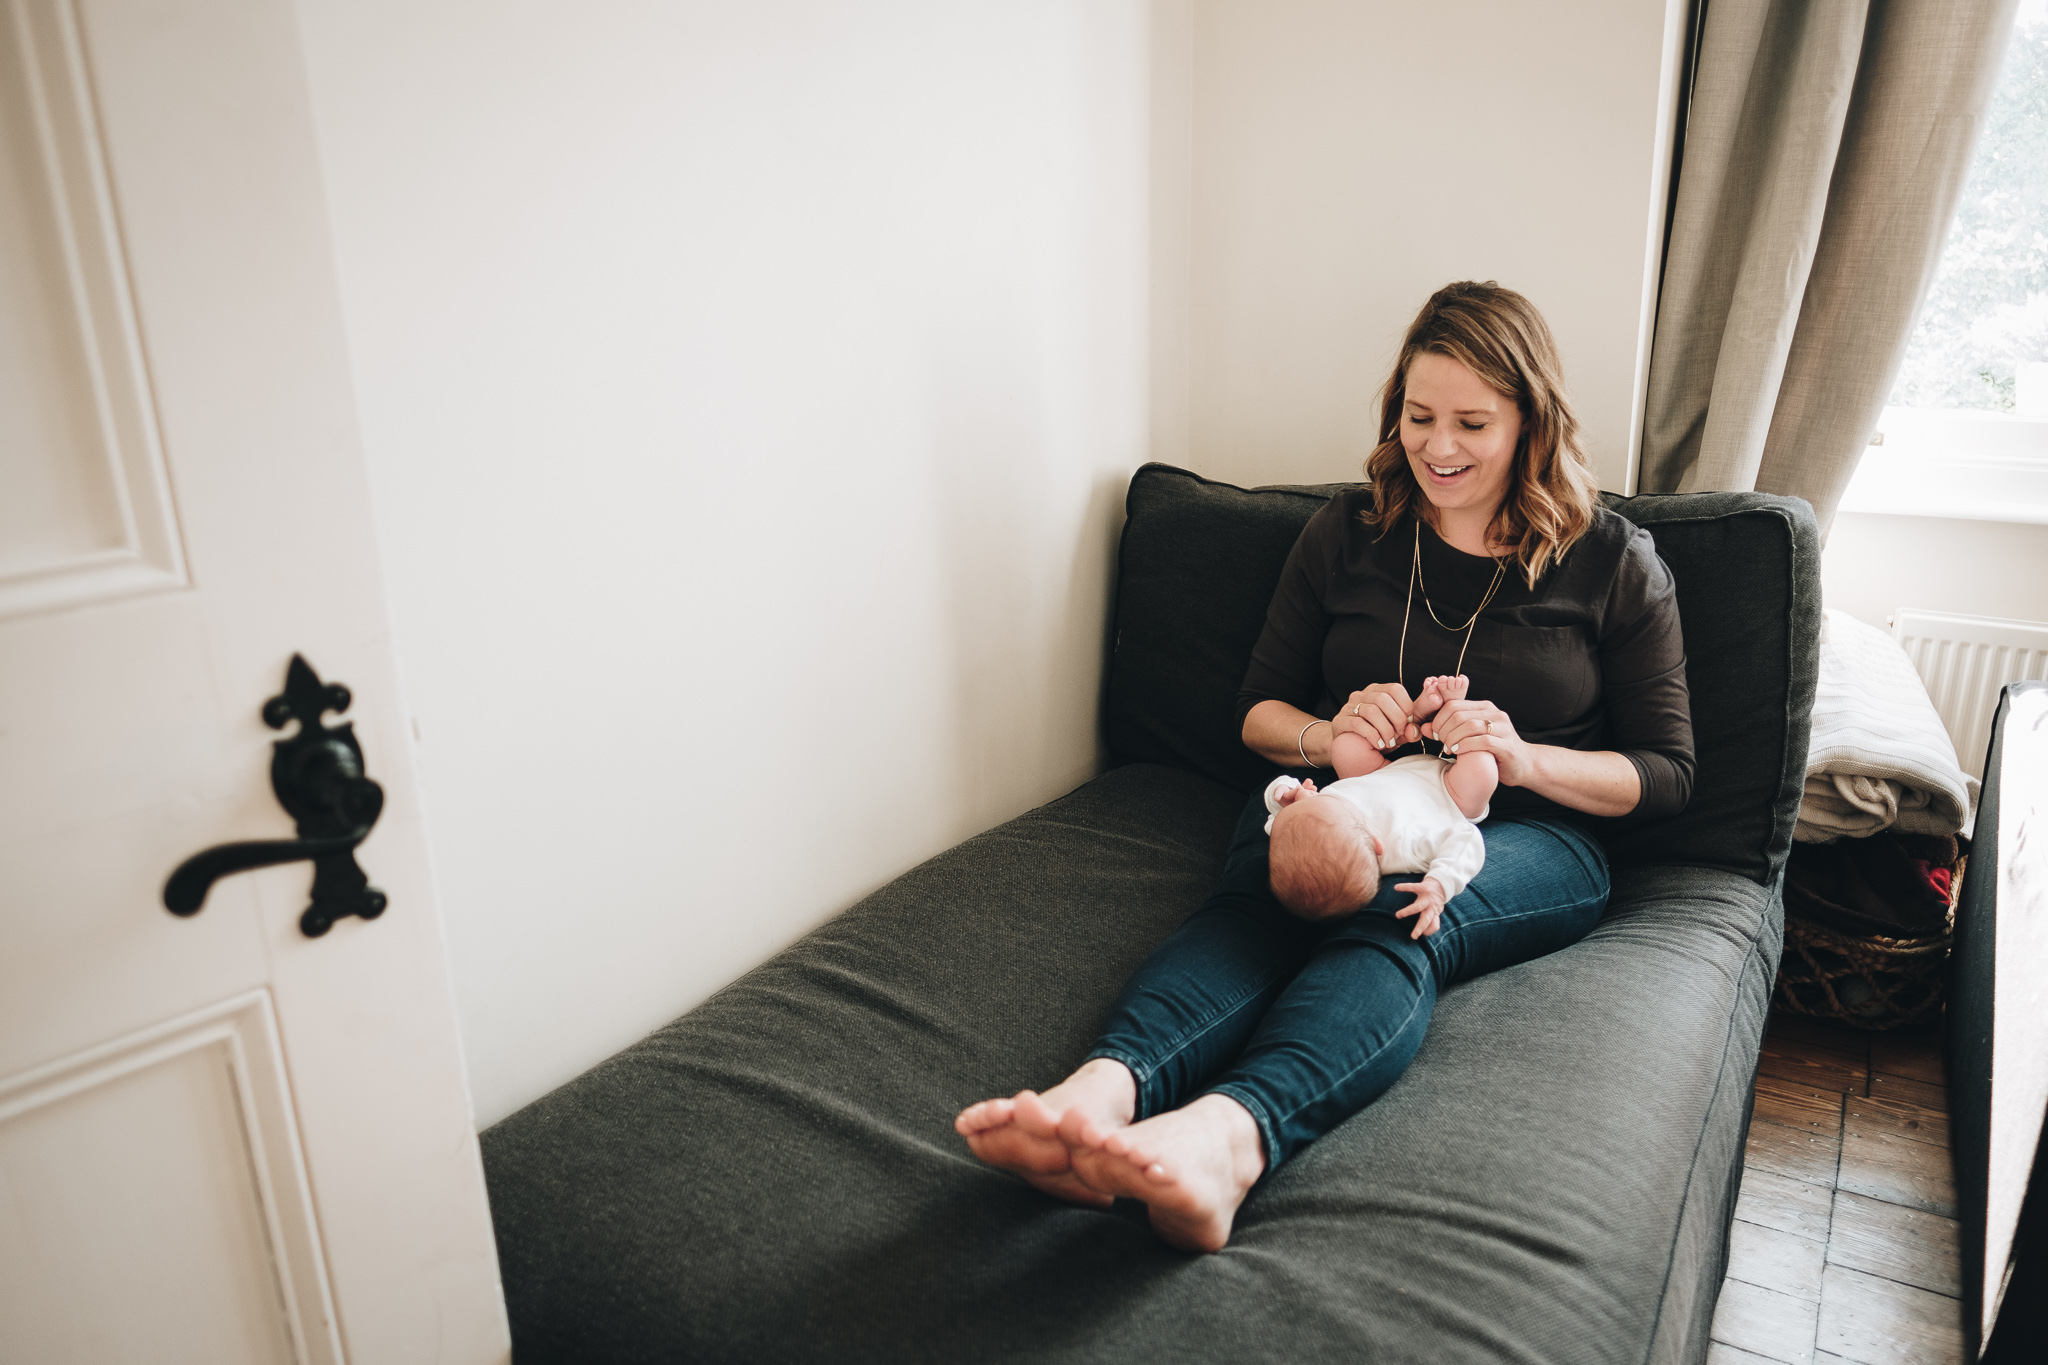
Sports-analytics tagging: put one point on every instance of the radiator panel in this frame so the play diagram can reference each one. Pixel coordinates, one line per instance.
(1964, 661)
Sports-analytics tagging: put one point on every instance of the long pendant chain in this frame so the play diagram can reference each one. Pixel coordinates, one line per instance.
(1414, 580)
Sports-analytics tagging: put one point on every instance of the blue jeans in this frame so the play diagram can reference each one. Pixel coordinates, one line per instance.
(1305, 1023)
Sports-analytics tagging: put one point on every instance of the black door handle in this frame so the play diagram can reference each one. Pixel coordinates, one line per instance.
(319, 780)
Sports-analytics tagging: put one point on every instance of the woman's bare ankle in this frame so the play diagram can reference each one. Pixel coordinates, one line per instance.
(1240, 1134)
(1103, 1088)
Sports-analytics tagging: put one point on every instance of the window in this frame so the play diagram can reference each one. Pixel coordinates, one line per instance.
(1965, 433)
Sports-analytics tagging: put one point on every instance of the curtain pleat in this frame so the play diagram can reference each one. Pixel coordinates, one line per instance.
(1825, 146)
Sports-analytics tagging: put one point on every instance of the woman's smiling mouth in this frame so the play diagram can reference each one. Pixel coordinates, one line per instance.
(1447, 471)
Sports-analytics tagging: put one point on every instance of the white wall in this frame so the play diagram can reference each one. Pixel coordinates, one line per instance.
(1324, 165)
(1876, 563)
(748, 390)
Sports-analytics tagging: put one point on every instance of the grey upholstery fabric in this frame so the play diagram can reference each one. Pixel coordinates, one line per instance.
(1825, 147)
(774, 1176)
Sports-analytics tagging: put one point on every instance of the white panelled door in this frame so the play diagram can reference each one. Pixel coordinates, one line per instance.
(220, 1140)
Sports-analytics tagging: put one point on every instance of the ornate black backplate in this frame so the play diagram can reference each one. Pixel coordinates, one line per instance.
(318, 777)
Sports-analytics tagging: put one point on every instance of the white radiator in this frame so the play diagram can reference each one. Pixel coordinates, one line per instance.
(1965, 660)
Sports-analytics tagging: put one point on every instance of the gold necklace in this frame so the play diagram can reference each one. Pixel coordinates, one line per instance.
(1500, 569)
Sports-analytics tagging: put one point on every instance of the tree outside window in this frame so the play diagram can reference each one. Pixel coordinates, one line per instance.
(1985, 317)
(1965, 429)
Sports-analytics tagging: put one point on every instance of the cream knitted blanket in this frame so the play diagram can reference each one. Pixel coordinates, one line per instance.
(1880, 757)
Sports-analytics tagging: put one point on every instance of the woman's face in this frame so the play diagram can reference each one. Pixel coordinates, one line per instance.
(1460, 434)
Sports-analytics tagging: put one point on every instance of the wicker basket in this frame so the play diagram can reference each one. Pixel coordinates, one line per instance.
(1869, 981)
(1865, 943)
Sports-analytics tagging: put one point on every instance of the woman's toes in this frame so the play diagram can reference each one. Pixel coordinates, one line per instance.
(979, 1118)
(1119, 1144)
(1034, 1116)
(1079, 1129)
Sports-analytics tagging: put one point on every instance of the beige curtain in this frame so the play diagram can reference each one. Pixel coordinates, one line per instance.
(1825, 146)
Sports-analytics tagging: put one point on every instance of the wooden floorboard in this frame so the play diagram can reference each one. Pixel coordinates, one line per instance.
(1798, 1105)
(1844, 1245)
(1821, 1068)
(1897, 1243)
(1895, 1118)
(1876, 1321)
(1770, 1200)
(1906, 1089)
(1915, 1055)
(1799, 1153)
(1899, 1171)
(1766, 1322)
(1773, 1259)
(1721, 1353)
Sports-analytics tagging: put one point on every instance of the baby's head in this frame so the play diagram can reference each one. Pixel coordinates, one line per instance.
(1324, 858)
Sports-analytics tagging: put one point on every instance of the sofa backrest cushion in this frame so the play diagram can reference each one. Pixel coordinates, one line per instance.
(1200, 560)
(1196, 570)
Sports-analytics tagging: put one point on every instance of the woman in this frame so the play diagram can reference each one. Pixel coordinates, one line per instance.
(1479, 549)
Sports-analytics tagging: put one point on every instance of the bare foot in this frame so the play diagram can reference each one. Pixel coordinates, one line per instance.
(1353, 755)
(1021, 1134)
(1435, 692)
(1192, 1167)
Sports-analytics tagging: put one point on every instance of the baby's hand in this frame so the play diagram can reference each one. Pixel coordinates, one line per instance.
(1294, 794)
(1427, 907)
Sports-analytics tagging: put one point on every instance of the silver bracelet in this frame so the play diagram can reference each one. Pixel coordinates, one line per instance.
(1303, 735)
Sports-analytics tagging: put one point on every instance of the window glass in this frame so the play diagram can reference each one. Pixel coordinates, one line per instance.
(1981, 340)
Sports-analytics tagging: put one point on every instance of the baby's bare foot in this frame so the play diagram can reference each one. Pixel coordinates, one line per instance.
(1191, 1167)
(1436, 691)
(1021, 1134)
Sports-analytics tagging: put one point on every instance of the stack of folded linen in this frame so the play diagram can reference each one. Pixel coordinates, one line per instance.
(1880, 758)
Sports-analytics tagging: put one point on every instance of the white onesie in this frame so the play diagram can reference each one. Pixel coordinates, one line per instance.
(1408, 806)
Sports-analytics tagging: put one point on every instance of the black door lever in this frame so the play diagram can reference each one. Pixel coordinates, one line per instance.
(318, 777)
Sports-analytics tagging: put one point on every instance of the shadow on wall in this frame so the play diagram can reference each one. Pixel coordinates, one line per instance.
(989, 482)
(1025, 617)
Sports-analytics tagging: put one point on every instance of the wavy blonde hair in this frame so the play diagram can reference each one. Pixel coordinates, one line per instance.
(1500, 337)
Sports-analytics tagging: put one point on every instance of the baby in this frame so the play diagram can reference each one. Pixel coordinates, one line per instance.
(1416, 814)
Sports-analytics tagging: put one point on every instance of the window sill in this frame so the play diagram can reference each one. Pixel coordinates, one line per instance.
(1976, 466)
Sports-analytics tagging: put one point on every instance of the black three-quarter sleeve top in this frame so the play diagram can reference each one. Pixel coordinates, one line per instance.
(1591, 658)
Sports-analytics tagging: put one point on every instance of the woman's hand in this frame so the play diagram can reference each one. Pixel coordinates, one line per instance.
(1384, 713)
(1472, 726)
(1598, 781)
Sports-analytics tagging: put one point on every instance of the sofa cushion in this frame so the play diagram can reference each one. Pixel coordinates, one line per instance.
(774, 1177)
(1748, 573)
(1200, 559)
(1195, 572)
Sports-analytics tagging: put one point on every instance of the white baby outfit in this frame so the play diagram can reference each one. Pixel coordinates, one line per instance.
(1408, 806)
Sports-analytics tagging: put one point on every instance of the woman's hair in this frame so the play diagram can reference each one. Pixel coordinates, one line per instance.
(1500, 337)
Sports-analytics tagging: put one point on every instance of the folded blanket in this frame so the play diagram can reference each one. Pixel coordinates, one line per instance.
(1880, 757)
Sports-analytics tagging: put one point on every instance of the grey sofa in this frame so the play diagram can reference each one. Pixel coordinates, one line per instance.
(774, 1176)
